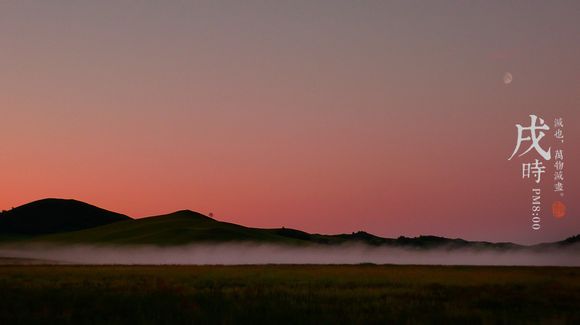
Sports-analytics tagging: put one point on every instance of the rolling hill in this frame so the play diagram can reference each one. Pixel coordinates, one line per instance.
(181, 227)
(54, 216)
(74, 222)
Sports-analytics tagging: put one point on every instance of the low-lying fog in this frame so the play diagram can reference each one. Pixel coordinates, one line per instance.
(243, 253)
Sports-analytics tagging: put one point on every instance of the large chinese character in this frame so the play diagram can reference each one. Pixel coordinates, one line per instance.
(534, 138)
(536, 169)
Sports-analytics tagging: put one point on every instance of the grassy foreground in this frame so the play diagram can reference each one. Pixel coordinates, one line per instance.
(288, 294)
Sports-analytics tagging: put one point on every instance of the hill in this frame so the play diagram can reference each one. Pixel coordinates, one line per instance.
(181, 227)
(54, 216)
(71, 222)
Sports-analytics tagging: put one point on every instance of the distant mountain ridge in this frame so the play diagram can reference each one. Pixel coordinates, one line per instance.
(70, 222)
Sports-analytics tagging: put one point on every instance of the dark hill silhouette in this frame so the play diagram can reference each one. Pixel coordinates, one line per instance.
(177, 228)
(570, 240)
(54, 216)
(70, 221)
(188, 214)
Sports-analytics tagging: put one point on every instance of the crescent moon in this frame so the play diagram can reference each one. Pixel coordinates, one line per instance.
(507, 78)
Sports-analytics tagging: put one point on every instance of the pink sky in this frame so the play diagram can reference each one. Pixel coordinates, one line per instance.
(324, 116)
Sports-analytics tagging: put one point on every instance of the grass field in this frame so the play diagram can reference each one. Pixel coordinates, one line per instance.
(288, 294)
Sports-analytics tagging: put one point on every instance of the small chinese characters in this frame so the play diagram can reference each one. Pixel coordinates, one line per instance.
(559, 156)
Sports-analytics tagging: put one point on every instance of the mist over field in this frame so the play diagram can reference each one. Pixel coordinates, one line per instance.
(245, 253)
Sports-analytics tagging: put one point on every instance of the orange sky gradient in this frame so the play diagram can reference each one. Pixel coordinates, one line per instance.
(327, 116)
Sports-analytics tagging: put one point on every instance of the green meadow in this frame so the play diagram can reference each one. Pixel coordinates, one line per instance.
(363, 294)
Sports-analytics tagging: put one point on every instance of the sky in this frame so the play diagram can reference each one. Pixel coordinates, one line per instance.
(390, 117)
